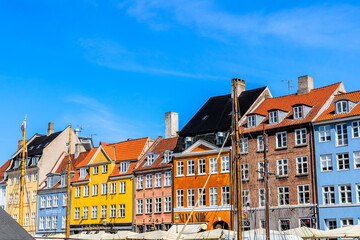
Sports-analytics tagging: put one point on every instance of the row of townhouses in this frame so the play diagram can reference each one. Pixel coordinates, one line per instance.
(312, 145)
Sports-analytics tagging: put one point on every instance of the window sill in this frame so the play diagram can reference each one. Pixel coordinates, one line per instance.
(180, 175)
(190, 175)
(280, 148)
(282, 177)
(245, 180)
(201, 174)
(302, 175)
(342, 145)
(224, 172)
(300, 145)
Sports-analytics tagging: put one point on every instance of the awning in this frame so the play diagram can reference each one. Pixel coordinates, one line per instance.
(190, 228)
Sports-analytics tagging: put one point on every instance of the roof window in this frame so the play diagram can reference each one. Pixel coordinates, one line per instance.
(273, 117)
(205, 117)
(251, 121)
(150, 159)
(39, 146)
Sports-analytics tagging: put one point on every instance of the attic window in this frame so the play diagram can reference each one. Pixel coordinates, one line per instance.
(82, 173)
(251, 121)
(167, 156)
(342, 107)
(220, 137)
(31, 148)
(189, 141)
(124, 167)
(205, 117)
(273, 117)
(39, 146)
(150, 159)
(298, 112)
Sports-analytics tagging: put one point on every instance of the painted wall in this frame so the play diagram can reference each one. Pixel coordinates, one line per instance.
(3, 188)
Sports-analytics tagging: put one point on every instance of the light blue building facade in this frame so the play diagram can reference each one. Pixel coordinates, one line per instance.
(337, 154)
(3, 188)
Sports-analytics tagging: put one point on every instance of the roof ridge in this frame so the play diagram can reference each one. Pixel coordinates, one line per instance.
(250, 90)
(344, 93)
(110, 144)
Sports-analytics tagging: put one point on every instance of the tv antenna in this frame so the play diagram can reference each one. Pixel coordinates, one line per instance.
(289, 85)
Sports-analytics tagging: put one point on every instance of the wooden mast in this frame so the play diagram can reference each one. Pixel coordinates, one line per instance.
(67, 234)
(266, 185)
(21, 199)
(237, 169)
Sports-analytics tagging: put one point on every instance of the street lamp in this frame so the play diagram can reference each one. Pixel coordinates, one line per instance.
(177, 222)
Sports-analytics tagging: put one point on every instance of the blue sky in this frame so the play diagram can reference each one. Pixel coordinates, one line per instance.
(115, 67)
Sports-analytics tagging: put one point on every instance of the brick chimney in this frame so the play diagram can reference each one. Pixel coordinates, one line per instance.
(20, 144)
(239, 84)
(50, 128)
(171, 124)
(306, 84)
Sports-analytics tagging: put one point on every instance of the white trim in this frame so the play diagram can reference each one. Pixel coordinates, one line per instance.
(199, 143)
(204, 208)
(207, 152)
(340, 205)
(95, 155)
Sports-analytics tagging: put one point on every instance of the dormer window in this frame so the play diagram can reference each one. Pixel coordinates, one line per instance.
(17, 163)
(150, 159)
(50, 182)
(251, 121)
(31, 148)
(63, 181)
(189, 141)
(220, 137)
(82, 173)
(167, 156)
(124, 167)
(39, 146)
(298, 112)
(273, 117)
(341, 107)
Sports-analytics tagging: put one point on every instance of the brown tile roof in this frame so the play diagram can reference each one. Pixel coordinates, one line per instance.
(84, 162)
(315, 98)
(329, 113)
(74, 161)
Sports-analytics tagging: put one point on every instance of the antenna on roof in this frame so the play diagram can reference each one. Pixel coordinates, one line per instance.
(92, 134)
(289, 85)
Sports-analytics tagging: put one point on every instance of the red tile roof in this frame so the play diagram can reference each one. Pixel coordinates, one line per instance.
(3, 168)
(329, 113)
(315, 98)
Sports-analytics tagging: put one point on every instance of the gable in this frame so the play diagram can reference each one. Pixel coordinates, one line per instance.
(201, 148)
(100, 157)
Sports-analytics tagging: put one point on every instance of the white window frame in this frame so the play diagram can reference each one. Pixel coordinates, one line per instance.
(202, 197)
(113, 211)
(77, 191)
(245, 172)
(283, 140)
(344, 222)
(324, 133)
(355, 129)
(76, 213)
(273, 117)
(191, 167)
(95, 170)
(121, 210)
(342, 107)
(180, 168)
(357, 188)
(225, 195)
(167, 204)
(213, 166)
(122, 187)
(328, 194)
(225, 164)
(104, 189)
(167, 177)
(298, 112)
(191, 197)
(180, 198)
(139, 206)
(356, 156)
(246, 197)
(261, 170)
(95, 190)
(158, 180)
(302, 165)
(300, 136)
(251, 121)
(104, 168)
(149, 181)
(201, 166)
(103, 213)
(244, 145)
(158, 205)
(48, 201)
(85, 214)
(260, 143)
(343, 161)
(342, 138)
(326, 162)
(56, 200)
(303, 194)
(347, 192)
(149, 206)
(282, 167)
(140, 182)
(113, 188)
(261, 197)
(94, 210)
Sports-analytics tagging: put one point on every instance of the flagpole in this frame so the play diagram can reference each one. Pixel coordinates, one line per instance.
(67, 234)
(21, 200)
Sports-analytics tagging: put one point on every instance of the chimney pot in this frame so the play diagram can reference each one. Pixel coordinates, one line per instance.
(240, 86)
(50, 128)
(77, 132)
(305, 84)
(171, 124)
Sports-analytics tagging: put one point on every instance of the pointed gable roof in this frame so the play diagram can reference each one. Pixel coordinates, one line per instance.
(3, 169)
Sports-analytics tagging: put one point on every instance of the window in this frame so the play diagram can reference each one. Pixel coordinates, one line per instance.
(27, 199)
(34, 196)
(273, 117)
(28, 177)
(304, 194)
(16, 198)
(85, 214)
(148, 206)
(33, 219)
(188, 141)
(220, 138)
(262, 197)
(77, 214)
(35, 176)
(167, 204)
(158, 205)
(324, 133)
(358, 193)
(191, 197)
(346, 222)
(95, 189)
(300, 136)
(41, 224)
(202, 197)
(245, 171)
(94, 212)
(244, 145)
(281, 140)
(48, 201)
(180, 168)
(122, 187)
(77, 192)
(104, 168)
(63, 181)
(64, 199)
(261, 170)
(282, 168)
(284, 224)
(213, 165)
(112, 210)
(225, 195)
(260, 143)
(341, 135)
(121, 210)
(139, 183)
(95, 170)
(26, 220)
(149, 181)
(246, 198)
(343, 161)
(86, 191)
(150, 159)
(103, 211)
(284, 196)
(167, 179)
(113, 188)
(330, 224)
(213, 196)
(328, 195)
(345, 194)
(357, 160)
(139, 206)
(124, 167)
(302, 165)
(157, 179)
(298, 113)
(63, 221)
(180, 198)
(202, 166)
(225, 167)
(82, 173)
(56, 201)
(17, 179)
(341, 107)
(251, 121)
(103, 189)
(11, 180)
(168, 156)
(326, 163)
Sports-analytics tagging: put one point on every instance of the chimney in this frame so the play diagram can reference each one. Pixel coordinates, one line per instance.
(77, 132)
(240, 86)
(171, 124)
(20, 144)
(50, 128)
(77, 150)
(306, 84)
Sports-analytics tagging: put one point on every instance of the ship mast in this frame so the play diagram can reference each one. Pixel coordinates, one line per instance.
(67, 234)
(266, 185)
(21, 199)
(237, 175)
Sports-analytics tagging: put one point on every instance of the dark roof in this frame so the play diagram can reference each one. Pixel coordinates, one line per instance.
(10, 229)
(215, 115)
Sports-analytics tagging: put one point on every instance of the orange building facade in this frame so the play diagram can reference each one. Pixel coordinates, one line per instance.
(192, 167)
